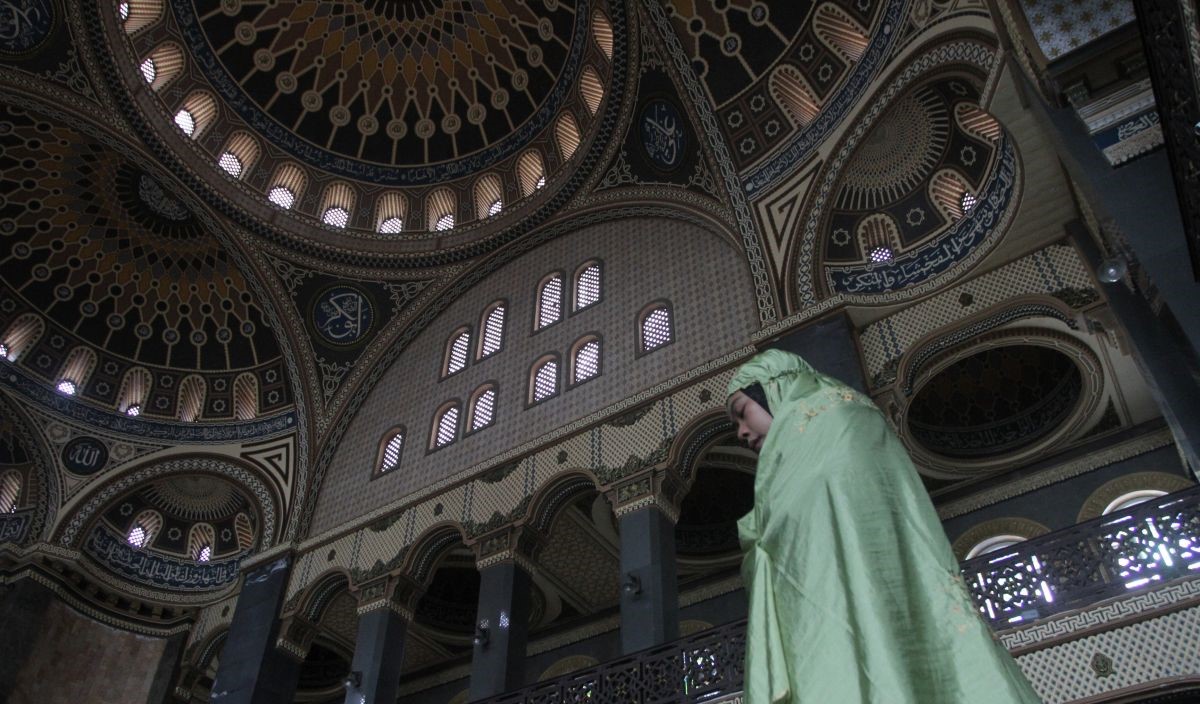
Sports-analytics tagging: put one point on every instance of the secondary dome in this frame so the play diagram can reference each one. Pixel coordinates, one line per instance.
(389, 116)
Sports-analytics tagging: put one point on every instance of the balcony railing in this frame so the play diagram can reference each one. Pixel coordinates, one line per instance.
(1148, 544)
(1140, 547)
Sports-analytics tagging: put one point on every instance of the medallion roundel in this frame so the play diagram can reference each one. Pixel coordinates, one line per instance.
(24, 25)
(84, 456)
(343, 315)
(663, 135)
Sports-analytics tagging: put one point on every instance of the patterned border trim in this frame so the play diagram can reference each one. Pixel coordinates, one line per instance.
(1102, 458)
(1116, 611)
(961, 52)
(378, 174)
(802, 145)
(199, 465)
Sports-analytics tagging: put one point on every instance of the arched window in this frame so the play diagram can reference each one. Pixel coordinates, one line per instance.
(879, 237)
(21, 335)
(287, 185)
(602, 32)
(489, 198)
(492, 325)
(566, 134)
(791, 90)
(75, 371)
(840, 32)
(201, 539)
(655, 328)
(162, 65)
(10, 490)
(389, 213)
(245, 397)
(992, 544)
(336, 204)
(196, 114)
(1132, 499)
(245, 531)
(457, 348)
(591, 89)
(549, 301)
(974, 121)
(585, 359)
(531, 171)
(442, 204)
(445, 426)
(239, 155)
(134, 390)
(587, 285)
(948, 190)
(393, 449)
(144, 529)
(483, 407)
(191, 398)
(543, 380)
(138, 14)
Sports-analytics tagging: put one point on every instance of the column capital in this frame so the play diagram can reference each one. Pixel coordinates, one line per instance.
(512, 543)
(396, 593)
(657, 487)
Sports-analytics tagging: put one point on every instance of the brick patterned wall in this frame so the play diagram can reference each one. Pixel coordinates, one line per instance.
(714, 312)
(77, 660)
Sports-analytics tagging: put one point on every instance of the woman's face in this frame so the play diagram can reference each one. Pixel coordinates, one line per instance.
(751, 419)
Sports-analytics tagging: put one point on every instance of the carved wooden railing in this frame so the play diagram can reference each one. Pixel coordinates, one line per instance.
(1138, 548)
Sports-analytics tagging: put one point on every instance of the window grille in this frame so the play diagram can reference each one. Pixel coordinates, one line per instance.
(545, 381)
(336, 216)
(881, 255)
(10, 491)
(391, 453)
(185, 122)
(149, 70)
(968, 201)
(445, 222)
(447, 427)
(550, 302)
(456, 356)
(587, 287)
(484, 409)
(656, 329)
(230, 164)
(391, 226)
(587, 361)
(493, 332)
(282, 197)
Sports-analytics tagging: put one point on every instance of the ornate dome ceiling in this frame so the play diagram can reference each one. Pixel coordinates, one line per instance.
(384, 116)
(110, 280)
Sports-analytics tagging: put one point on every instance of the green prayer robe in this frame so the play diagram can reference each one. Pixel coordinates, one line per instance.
(855, 595)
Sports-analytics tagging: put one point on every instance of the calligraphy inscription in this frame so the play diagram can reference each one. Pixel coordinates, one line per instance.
(84, 456)
(662, 134)
(342, 315)
(24, 24)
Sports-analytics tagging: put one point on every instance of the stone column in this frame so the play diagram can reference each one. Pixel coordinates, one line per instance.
(252, 669)
(647, 509)
(23, 605)
(502, 619)
(385, 608)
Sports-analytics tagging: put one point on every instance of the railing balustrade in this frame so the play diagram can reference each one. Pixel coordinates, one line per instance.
(1145, 545)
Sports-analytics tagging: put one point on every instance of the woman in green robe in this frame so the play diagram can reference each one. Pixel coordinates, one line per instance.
(855, 595)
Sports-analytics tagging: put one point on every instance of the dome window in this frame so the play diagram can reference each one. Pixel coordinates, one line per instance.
(442, 205)
(882, 255)
(655, 327)
(10, 491)
(392, 451)
(21, 335)
(585, 359)
(197, 114)
(591, 89)
(336, 217)
(162, 66)
(840, 32)
(144, 529)
(543, 383)
(133, 410)
(493, 330)
(336, 203)
(483, 407)
(191, 398)
(531, 172)
(239, 155)
(389, 214)
(282, 197)
(566, 134)
(791, 90)
(200, 542)
(445, 222)
(949, 191)
(138, 14)
(230, 164)
(134, 390)
(550, 297)
(75, 371)
(245, 397)
(446, 427)
(66, 387)
(287, 185)
(602, 32)
(489, 196)
(244, 530)
(185, 122)
(149, 69)
(968, 201)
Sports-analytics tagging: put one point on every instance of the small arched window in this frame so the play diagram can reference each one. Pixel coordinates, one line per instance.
(442, 205)
(76, 371)
(492, 325)
(603, 33)
(489, 196)
(196, 114)
(336, 204)
(134, 390)
(245, 531)
(389, 213)
(566, 134)
(591, 88)
(655, 327)
(239, 155)
(585, 359)
(245, 397)
(393, 450)
(191, 398)
(587, 285)
(840, 32)
(790, 89)
(445, 426)
(162, 65)
(201, 540)
(483, 407)
(144, 529)
(10, 490)
(1132, 499)
(531, 171)
(992, 544)
(138, 14)
(543, 380)
(549, 301)
(287, 185)
(457, 348)
(21, 335)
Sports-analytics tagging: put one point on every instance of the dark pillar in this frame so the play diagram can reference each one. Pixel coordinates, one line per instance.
(1159, 355)
(384, 614)
(828, 345)
(22, 607)
(161, 688)
(502, 622)
(252, 670)
(649, 587)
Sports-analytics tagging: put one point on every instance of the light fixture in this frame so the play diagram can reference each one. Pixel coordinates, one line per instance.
(481, 636)
(632, 586)
(1112, 270)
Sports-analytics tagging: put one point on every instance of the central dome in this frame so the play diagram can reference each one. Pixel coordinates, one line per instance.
(395, 92)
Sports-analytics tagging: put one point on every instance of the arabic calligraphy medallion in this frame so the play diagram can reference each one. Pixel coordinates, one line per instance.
(24, 25)
(662, 134)
(343, 315)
